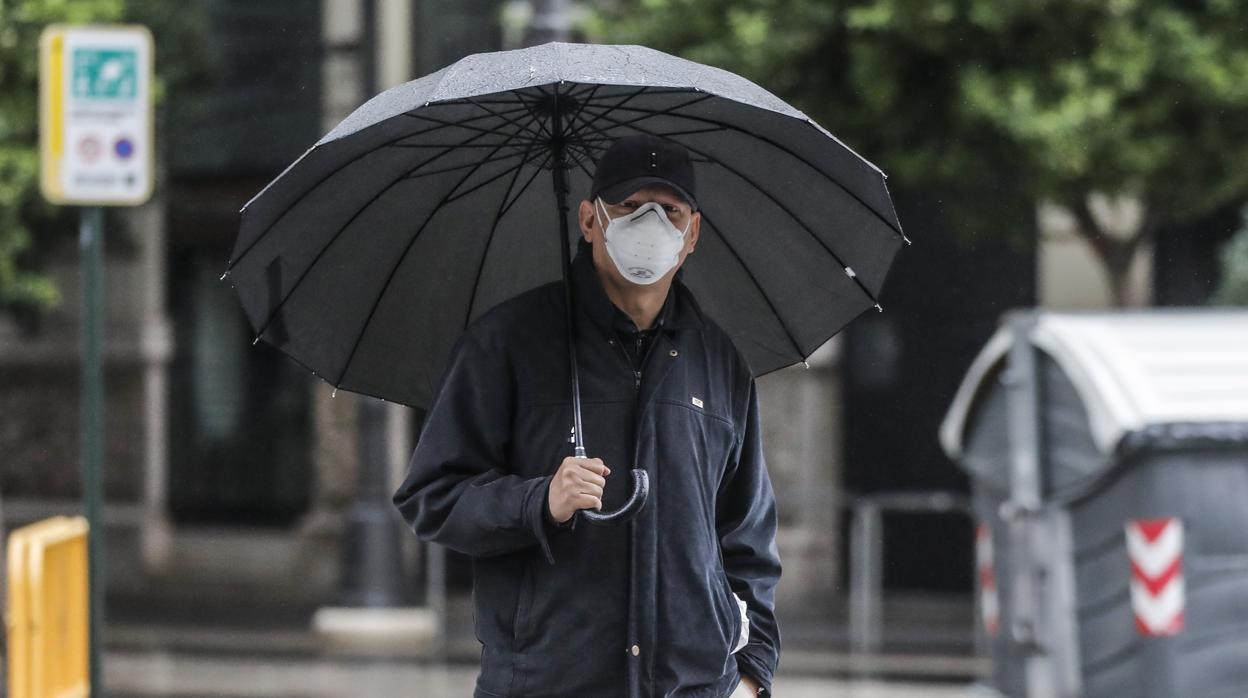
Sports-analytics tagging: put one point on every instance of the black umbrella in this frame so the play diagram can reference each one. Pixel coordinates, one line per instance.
(366, 258)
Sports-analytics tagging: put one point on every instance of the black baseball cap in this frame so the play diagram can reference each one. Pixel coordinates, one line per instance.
(633, 162)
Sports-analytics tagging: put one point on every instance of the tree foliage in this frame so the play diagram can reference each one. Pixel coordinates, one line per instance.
(28, 224)
(21, 206)
(1146, 99)
(1233, 287)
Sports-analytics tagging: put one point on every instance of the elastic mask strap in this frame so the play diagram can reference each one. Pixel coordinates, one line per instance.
(598, 200)
(661, 213)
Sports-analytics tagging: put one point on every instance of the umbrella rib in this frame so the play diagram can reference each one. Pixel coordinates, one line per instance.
(464, 166)
(753, 279)
(749, 272)
(475, 146)
(453, 196)
(603, 135)
(331, 173)
(516, 198)
(398, 263)
(498, 217)
(668, 134)
(461, 124)
(581, 107)
(585, 87)
(540, 123)
(529, 106)
(778, 146)
(574, 134)
(487, 182)
(537, 137)
(337, 234)
(857, 281)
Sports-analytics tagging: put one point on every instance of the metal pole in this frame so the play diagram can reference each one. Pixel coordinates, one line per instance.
(91, 248)
(559, 177)
(435, 597)
(372, 574)
(1022, 512)
(866, 578)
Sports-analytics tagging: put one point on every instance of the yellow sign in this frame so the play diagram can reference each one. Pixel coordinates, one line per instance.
(95, 118)
(47, 610)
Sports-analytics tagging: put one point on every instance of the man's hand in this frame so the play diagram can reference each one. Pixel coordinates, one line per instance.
(576, 485)
(750, 684)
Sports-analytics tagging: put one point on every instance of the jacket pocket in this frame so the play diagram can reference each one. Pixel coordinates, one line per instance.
(734, 610)
(521, 629)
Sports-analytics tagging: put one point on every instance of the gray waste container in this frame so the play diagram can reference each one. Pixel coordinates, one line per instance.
(1109, 461)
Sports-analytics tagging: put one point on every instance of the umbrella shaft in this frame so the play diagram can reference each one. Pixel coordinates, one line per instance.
(559, 179)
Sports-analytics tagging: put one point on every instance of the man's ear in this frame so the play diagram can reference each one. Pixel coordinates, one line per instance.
(585, 217)
(691, 237)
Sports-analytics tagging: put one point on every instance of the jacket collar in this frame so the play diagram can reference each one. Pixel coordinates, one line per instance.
(679, 309)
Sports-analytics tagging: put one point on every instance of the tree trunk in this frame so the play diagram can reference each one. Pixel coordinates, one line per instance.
(1116, 254)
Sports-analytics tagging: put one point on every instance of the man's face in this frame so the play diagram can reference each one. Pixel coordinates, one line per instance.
(679, 212)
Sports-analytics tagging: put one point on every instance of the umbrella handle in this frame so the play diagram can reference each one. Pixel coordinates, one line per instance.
(637, 500)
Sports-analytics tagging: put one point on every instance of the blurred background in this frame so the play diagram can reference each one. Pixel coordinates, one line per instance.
(1057, 154)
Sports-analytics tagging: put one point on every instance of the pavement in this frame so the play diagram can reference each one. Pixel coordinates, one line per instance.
(151, 673)
(271, 651)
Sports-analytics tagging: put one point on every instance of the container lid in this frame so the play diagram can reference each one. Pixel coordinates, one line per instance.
(1131, 369)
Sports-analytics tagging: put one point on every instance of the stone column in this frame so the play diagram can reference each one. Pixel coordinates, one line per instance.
(335, 414)
(800, 411)
(371, 584)
(155, 350)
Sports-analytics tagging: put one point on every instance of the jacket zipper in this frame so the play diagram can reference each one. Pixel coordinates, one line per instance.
(641, 364)
(628, 362)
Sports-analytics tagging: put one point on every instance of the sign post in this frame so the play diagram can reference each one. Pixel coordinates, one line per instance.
(96, 149)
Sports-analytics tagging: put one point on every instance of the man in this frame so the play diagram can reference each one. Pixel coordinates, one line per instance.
(679, 602)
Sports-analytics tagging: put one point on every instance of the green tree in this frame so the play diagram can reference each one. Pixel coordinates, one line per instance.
(28, 224)
(22, 209)
(1057, 99)
(1233, 287)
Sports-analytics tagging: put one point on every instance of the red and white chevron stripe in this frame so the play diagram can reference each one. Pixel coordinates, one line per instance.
(1155, 547)
(989, 604)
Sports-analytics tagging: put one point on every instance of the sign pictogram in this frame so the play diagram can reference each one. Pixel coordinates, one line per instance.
(95, 122)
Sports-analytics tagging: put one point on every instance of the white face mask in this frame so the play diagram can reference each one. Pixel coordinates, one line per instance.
(643, 244)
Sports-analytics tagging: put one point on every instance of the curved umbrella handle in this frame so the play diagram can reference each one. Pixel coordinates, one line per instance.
(641, 489)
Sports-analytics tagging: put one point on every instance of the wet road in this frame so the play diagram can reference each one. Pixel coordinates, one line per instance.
(152, 673)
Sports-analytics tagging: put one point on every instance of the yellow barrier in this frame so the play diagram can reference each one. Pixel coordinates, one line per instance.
(47, 609)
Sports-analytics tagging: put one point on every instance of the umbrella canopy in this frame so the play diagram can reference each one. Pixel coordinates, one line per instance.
(439, 198)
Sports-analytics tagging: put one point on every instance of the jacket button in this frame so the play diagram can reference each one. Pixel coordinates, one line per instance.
(635, 650)
(673, 352)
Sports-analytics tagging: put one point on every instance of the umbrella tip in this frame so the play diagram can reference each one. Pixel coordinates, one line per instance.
(903, 237)
(878, 308)
(850, 273)
(804, 363)
(227, 271)
(334, 393)
(256, 340)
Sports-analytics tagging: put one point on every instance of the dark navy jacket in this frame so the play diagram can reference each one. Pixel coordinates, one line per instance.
(643, 610)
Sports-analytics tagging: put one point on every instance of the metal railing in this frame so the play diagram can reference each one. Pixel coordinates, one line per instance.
(866, 555)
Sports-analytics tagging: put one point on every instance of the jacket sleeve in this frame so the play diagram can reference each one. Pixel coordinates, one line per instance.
(459, 490)
(746, 525)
